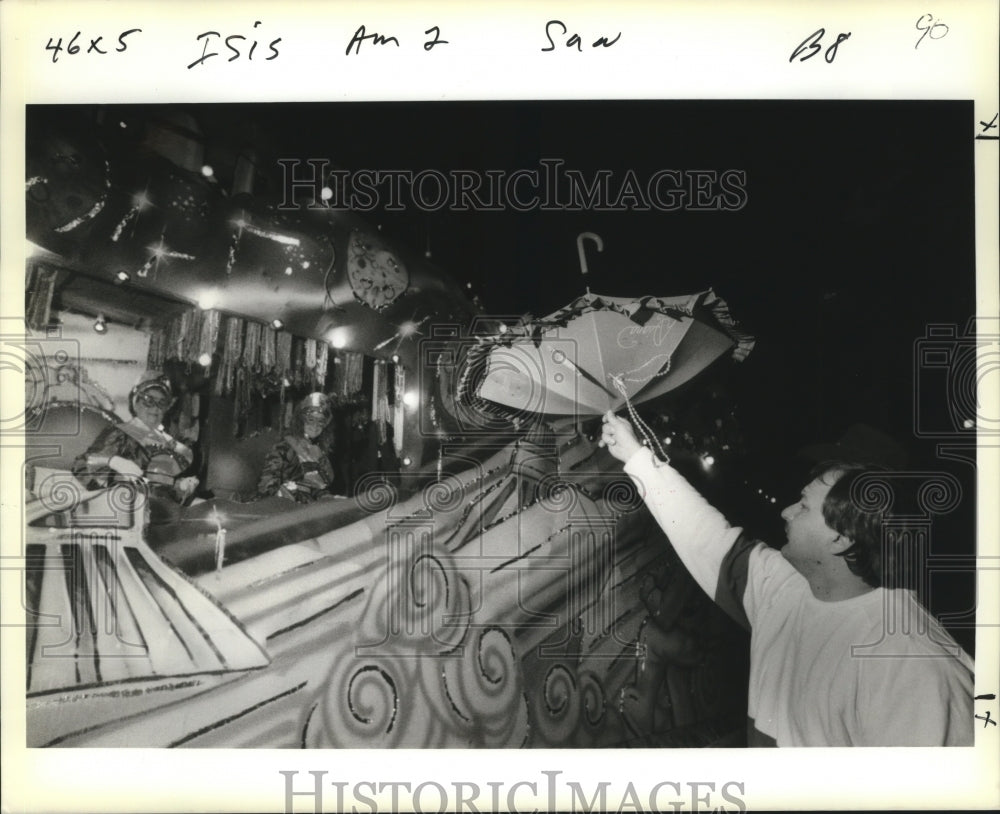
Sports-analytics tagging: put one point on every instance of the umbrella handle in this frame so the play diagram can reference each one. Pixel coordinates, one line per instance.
(581, 251)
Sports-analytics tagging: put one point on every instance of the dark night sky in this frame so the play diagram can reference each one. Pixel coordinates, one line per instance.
(856, 234)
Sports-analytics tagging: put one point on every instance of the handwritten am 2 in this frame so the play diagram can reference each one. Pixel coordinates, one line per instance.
(96, 45)
(361, 37)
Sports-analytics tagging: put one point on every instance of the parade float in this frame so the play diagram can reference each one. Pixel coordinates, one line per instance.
(489, 579)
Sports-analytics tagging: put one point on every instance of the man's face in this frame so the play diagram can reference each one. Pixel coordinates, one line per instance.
(150, 407)
(806, 531)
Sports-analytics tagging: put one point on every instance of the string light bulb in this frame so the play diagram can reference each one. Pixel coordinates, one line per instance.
(338, 338)
(208, 299)
(100, 324)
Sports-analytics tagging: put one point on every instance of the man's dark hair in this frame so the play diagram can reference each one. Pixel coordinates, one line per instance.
(851, 510)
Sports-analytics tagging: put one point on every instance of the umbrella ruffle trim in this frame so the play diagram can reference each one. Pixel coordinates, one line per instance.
(706, 305)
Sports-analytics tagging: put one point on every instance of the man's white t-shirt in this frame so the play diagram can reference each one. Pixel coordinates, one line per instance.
(874, 670)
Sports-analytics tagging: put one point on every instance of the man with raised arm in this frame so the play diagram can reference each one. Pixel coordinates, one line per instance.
(837, 658)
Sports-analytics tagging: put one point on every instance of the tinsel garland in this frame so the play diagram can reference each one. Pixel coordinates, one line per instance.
(268, 350)
(41, 285)
(400, 407)
(232, 348)
(380, 399)
(251, 346)
(298, 356)
(354, 370)
(156, 356)
(201, 335)
(322, 357)
(348, 372)
(188, 337)
(191, 336)
(208, 337)
(310, 359)
(283, 360)
(241, 401)
(178, 333)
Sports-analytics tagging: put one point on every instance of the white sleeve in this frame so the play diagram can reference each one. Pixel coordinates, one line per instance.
(697, 530)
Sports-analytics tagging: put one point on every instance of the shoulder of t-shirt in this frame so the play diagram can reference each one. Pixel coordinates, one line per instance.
(901, 625)
(769, 576)
(769, 568)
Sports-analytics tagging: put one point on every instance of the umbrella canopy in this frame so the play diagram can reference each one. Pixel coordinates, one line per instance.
(599, 353)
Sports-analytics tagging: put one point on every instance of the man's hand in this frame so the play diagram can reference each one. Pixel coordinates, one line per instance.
(185, 486)
(618, 437)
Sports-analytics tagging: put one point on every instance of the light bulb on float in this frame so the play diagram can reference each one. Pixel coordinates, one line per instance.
(338, 338)
(208, 299)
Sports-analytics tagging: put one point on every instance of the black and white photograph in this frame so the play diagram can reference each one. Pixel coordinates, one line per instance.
(509, 424)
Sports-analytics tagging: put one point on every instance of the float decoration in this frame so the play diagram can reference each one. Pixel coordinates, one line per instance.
(601, 353)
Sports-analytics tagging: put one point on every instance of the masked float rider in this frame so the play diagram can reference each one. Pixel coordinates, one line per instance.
(140, 448)
(298, 466)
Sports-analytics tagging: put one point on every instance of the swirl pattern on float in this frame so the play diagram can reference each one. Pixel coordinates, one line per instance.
(485, 690)
(560, 702)
(593, 699)
(414, 675)
(371, 692)
(437, 602)
(360, 705)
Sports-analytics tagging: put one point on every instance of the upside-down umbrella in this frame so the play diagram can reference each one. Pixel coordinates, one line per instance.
(600, 353)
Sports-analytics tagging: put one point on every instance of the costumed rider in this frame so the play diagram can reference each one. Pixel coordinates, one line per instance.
(298, 466)
(139, 448)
